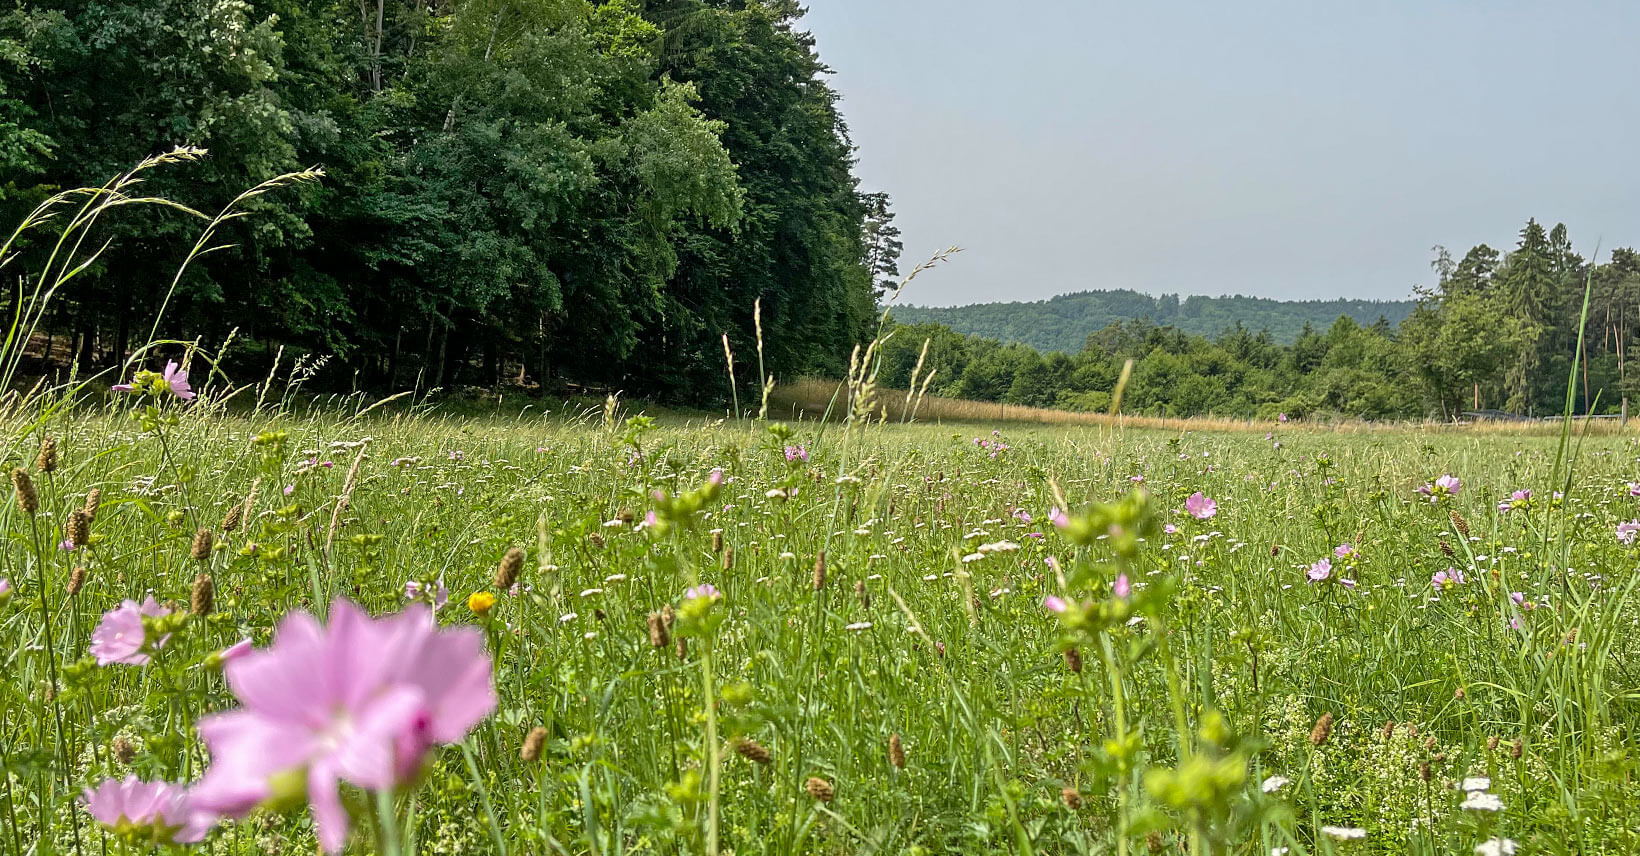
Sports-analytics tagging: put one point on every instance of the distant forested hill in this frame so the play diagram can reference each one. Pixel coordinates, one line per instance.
(1063, 323)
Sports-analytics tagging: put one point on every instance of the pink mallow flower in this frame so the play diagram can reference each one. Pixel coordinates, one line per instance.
(1627, 531)
(1055, 604)
(176, 380)
(1447, 579)
(1446, 485)
(1520, 499)
(704, 590)
(1200, 507)
(360, 701)
(120, 636)
(149, 812)
(1319, 571)
(1121, 588)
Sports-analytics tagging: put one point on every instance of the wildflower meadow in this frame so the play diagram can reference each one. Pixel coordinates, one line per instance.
(236, 620)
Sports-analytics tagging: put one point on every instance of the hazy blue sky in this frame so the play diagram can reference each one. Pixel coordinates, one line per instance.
(1281, 149)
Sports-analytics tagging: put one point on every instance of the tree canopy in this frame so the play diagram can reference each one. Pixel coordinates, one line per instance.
(552, 188)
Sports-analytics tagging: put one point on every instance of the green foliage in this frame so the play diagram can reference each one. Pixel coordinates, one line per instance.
(966, 671)
(528, 188)
(1062, 323)
(1496, 332)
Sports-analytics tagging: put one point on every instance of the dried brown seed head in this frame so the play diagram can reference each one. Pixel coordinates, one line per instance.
(820, 789)
(203, 598)
(47, 461)
(659, 635)
(123, 751)
(1459, 523)
(1073, 660)
(200, 550)
(78, 529)
(896, 751)
(506, 573)
(1322, 730)
(76, 581)
(23, 486)
(533, 742)
(753, 751)
(1073, 800)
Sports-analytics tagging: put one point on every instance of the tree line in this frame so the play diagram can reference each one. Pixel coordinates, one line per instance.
(520, 190)
(1496, 331)
(1062, 323)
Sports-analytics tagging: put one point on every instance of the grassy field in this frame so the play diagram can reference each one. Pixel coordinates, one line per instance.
(904, 649)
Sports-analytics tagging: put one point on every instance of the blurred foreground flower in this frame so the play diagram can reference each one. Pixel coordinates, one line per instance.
(121, 638)
(147, 812)
(361, 701)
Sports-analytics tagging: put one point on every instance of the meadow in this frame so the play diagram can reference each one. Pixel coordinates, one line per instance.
(376, 628)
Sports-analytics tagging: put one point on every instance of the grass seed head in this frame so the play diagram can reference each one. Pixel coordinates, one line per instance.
(76, 581)
(820, 571)
(47, 461)
(717, 542)
(820, 789)
(123, 751)
(78, 529)
(200, 550)
(1322, 730)
(896, 751)
(728, 558)
(530, 751)
(27, 500)
(659, 635)
(1073, 800)
(202, 600)
(1073, 660)
(506, 574)
(230, 520)
(93, 500)
(1459, 523)
(753, 751)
